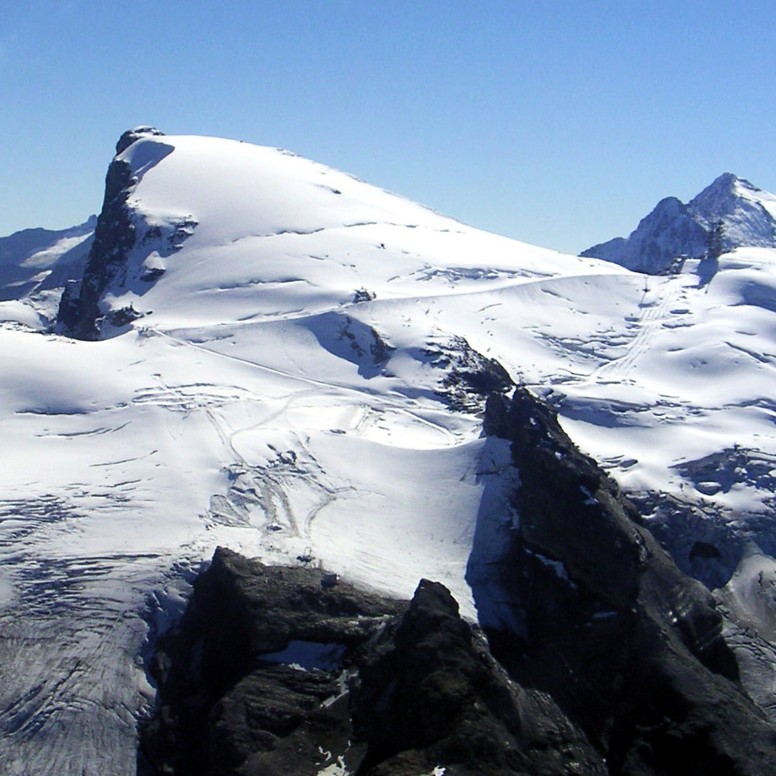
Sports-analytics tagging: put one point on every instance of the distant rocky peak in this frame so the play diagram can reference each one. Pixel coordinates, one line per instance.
(674, 231)
(721, 196)
(129, 137)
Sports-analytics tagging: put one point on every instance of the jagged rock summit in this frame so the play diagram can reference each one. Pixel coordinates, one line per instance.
(284, 670)
(628, 646)
(741, 214)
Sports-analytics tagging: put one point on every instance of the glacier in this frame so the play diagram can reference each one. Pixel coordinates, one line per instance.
(292, 383)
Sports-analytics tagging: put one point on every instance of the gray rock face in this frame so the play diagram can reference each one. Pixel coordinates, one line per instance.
(674, 231)
(282, 670)
(629, 647)
(469, 377)
(668, 232)
(109, 263)
(114, 236)
(430, 694)
(227, 693)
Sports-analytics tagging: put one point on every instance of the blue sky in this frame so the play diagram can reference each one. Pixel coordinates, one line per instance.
(559, 123)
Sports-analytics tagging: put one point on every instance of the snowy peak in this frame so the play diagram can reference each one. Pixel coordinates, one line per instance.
(745, 214)
(720, 195)
(194, 227)
(723, 195)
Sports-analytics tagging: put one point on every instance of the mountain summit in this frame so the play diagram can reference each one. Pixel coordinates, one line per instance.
(675, 231)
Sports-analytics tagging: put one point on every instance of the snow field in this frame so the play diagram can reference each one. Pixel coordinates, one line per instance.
(264, 403)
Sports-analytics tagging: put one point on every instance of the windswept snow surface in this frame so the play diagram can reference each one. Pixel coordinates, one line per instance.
(283, 395)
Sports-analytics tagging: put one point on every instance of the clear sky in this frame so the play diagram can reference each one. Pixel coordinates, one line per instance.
(557, 122)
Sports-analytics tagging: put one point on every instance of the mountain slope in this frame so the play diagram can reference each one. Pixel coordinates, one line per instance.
(278, 358)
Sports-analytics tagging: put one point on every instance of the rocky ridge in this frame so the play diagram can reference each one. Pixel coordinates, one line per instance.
(630, 647)
(83, 312)
(290, 670)
(616, 663)
(33, 261)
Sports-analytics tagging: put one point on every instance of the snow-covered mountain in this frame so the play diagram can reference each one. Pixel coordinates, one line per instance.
(267, 354)
(36, 261)
(674, 231)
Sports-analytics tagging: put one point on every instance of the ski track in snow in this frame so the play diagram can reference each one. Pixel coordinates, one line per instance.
(647, 324)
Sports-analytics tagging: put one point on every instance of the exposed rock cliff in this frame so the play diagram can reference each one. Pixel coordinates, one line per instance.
(288, 670)
(80, 314)
(629, 647)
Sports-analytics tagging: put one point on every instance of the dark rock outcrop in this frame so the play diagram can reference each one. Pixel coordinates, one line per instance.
(79, 312)
(225, 694)
(470, 377)
(278, 671)
(430, 694)
(629, 647)
(612, 661)
(114, 235)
